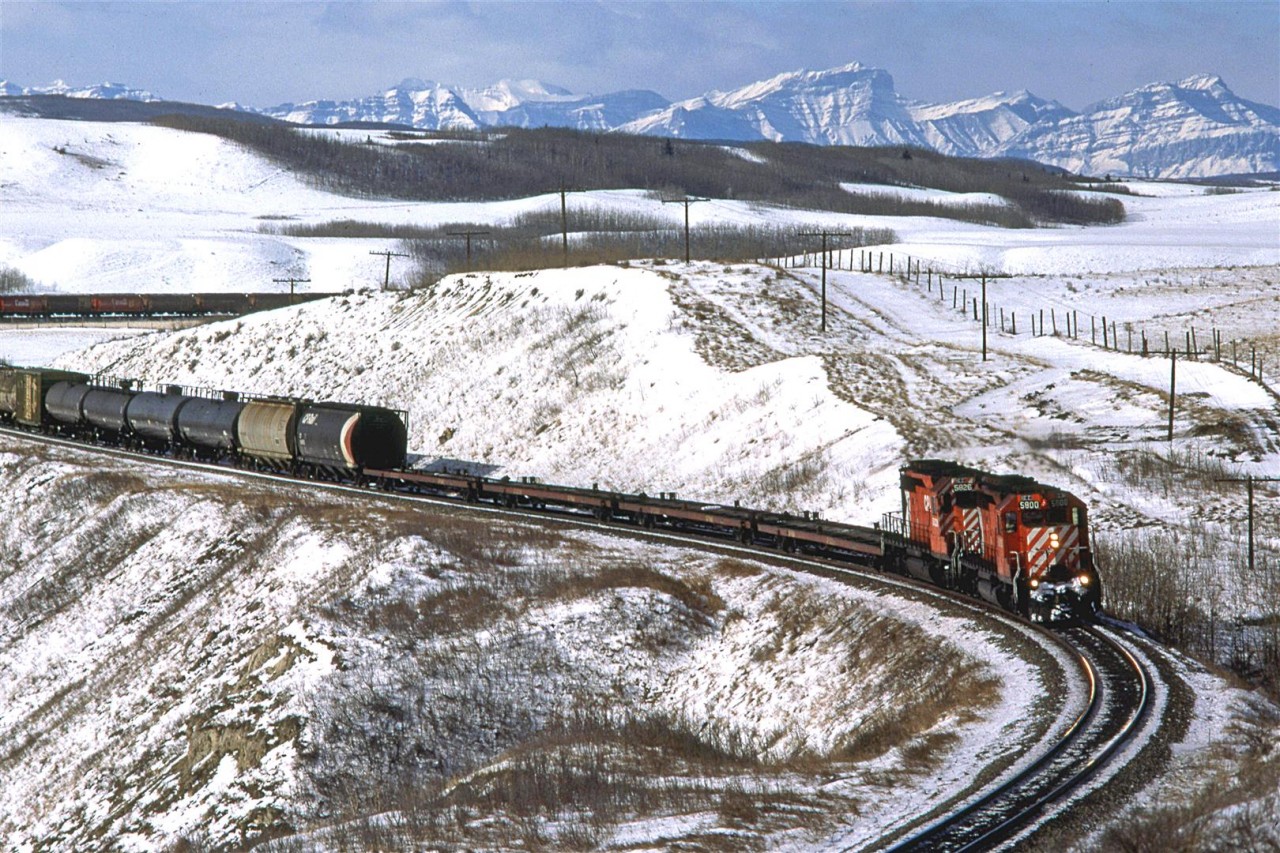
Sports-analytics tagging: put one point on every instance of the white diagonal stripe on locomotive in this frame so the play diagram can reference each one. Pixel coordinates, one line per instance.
(1040, 550)
(972, 521)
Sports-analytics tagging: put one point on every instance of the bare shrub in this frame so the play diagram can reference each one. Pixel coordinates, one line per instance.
(15, 281)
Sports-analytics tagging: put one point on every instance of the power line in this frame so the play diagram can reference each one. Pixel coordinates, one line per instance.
(292, 282)
(824, 235)
(1249, 481)
(468, 235)
(564, 219)
(386, 279)
(686, 201)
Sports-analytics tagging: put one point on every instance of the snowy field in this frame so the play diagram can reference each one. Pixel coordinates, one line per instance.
(122, 207)
(709, 380)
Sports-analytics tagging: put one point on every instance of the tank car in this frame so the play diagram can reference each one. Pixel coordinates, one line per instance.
(64, 403)
(153, 417)
(265, 432)
(208, 426)
(105, 409)
(343, 436)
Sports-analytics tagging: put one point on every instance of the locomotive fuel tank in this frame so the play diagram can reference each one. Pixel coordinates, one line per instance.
(105, 408)
(65, 401)
(265, 428)
(209, 424)
(338, 435)
(155, 416)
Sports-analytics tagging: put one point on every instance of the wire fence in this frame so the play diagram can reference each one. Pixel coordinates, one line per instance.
(961, 288)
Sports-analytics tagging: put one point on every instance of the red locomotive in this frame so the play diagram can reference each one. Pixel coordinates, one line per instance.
(1009, 539)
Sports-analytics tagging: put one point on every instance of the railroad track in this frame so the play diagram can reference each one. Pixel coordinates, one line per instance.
(1117, 697)
(1118, 704)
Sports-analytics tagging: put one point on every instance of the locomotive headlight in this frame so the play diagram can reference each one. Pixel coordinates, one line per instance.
(1083, 580)
(1053, 540)
(1035, 582)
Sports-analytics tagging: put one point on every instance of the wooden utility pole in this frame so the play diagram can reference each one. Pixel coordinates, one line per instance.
(686, 201)
(386, 278)
(1248, 484)
(983, 277)
(824, 235)
(564, 221)
(292, 282)
(468, 235)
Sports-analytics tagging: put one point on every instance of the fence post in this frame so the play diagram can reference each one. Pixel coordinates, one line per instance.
(1144, 343)
(880, 268)
(1002, 319)
(1129, 330)
(1042, 322)
(1115, 339)
(1188, 344)
(1166, 342)
(1013, 315)
(1076, 324)
(953, 297)
(1093, 330)
(975, 308)
(1053, 318)
(1233, 353)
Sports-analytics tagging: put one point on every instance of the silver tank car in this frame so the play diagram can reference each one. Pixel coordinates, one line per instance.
(264, 430)
(210, 424)
(65, 402)
(155, 416)
(105, 408)
(340, 435)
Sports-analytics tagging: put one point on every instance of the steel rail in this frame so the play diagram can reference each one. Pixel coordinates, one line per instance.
(1109, 723)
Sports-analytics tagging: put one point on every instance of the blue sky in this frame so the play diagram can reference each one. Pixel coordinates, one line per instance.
(263, 53)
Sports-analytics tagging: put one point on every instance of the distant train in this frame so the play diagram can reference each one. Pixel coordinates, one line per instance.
(50, 305)
(1010, 540)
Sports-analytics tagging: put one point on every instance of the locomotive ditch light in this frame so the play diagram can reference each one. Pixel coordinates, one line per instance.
(1035, 582)
(1083, 580)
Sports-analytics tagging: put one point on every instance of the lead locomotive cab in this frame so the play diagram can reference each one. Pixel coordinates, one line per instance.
(1011, 540)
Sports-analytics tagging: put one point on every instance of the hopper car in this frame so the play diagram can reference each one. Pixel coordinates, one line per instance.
(106, 305)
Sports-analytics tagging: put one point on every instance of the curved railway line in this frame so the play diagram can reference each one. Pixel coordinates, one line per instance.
(1118, 704)
(1119, 686)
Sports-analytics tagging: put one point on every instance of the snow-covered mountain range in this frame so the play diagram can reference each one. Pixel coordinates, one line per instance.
(1196, 127)
(104, 91)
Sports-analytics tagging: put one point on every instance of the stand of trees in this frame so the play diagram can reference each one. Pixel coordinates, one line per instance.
(517, 163)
